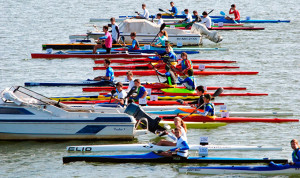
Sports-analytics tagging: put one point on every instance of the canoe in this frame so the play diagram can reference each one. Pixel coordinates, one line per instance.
(147, 60)
(155, 158)
(276, 169)
(200, 118)
(228, 28)
(147, 147)
(150, 67)
(153, 72)
(65, 55)
(73, 100)
(249, 21)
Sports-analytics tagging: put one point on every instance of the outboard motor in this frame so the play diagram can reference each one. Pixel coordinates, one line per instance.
(201, 29)
(138, 113)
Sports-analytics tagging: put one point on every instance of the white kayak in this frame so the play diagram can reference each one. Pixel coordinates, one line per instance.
(147, 147)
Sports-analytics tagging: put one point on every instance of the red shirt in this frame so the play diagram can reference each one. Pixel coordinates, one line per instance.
(236, 14)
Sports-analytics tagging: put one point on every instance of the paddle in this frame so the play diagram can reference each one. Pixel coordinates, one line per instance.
(223, 13)
(217, 93)
(161, 10)
(161, 28)
(112, 94)
(155, 71)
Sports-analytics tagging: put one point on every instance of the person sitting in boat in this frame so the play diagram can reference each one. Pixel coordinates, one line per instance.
(179, 123)
(209, 108)
(182, 146)
(144, 15)
(235, 12)
(174, 10)
(115, 33)
(197, 17)
(141, 90)
(188, 17)
(171, 77)
(206, 20)
(168, 55)
(121, 94)
(129, 78)
(184, 64)
(188, 82)
(296, 152)
(107, 41)
(109, 76)
(199, 102)
(160, 20)
(162, 37)
(135, 44)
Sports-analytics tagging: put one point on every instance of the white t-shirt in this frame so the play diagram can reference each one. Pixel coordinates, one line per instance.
(114, 33)
(179, 145)
(160, 21)
(145, 14)
(183, 134)
(189, 18)
(206, 21)
(131, 84)
(122, 94)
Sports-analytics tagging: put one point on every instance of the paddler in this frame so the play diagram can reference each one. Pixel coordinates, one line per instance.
(174, 10)
(296, 152)
(160, 20)
(169, 54)
(145, 14)
(188, 17)
(233, 11)
(206, 20)
(184, 64)
(107, 41)
(129, 78)
(188, 82)
(134, 44)
(115, 33)
(162, 38)
(171, 77)
(109, 76)
(197, 17)
(200, 92)
(209, 108)
(121, 94)
(141, 90)
(181, 148)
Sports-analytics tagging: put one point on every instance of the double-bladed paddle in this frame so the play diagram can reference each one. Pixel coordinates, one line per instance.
(161, 10)
(155, 71)
(223, 13)
(160, 29)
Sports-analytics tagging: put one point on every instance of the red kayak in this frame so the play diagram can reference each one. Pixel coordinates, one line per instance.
(147, 73)
(147, 60)
(200, 118)
(150, 103)
(65, 55)
(228, 28)
(158, 66)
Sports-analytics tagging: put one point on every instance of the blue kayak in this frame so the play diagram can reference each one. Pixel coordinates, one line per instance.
(270, 169)
(153, 157)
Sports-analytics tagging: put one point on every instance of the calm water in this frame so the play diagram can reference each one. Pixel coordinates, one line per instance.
(274, 52)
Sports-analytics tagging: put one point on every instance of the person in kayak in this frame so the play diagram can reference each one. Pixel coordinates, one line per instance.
(121, 94)
(141, 90)
(184, 64)
(296, 152)
(174, 10)
(144, 15)
(115, 33)
(182, 146)
(235, 12)
(200, 92)
(109, 76)
(209, 108)
(160, 20)
(206, 20)
(188, 82)
(129, 78)
(188, 17)
(107, 41)
(168, 55)
(162, 38)
(197, 17)
(134, 44)
(171, 77)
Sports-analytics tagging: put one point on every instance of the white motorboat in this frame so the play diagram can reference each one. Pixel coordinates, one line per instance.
(27, 115)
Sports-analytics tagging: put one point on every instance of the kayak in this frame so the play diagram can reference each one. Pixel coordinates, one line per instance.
(227, 28)
(270, 169)
(200, 118)
(73, 100)
(190, 24)
(193, 48)
(168, 16)
(217, 113)
(249, 21)
(159, 66)
(153, 72)
(66, 55)
(87, 82)
(156, 86)
(151, 147)
(158, 51)
(196, 125)
(147, 60)
(155, 158)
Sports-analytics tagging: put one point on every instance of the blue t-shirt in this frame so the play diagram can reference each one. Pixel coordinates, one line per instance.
(140, 93)
(110, 73)
(209, 108)
(172, 55)
(190, 81)
(296, 156)
(174, 10)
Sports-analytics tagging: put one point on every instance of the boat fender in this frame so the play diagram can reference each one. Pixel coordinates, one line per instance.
(211, 35)
(9, 95)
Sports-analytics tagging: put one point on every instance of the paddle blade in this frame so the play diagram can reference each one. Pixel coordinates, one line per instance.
(180, 101)
(133, 89)
(222, 13)
(210, 11)
(218, 92)
(122, 39)
(160, 10)
(162, 26)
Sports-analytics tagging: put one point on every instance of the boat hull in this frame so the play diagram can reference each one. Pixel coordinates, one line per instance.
(92, 56)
